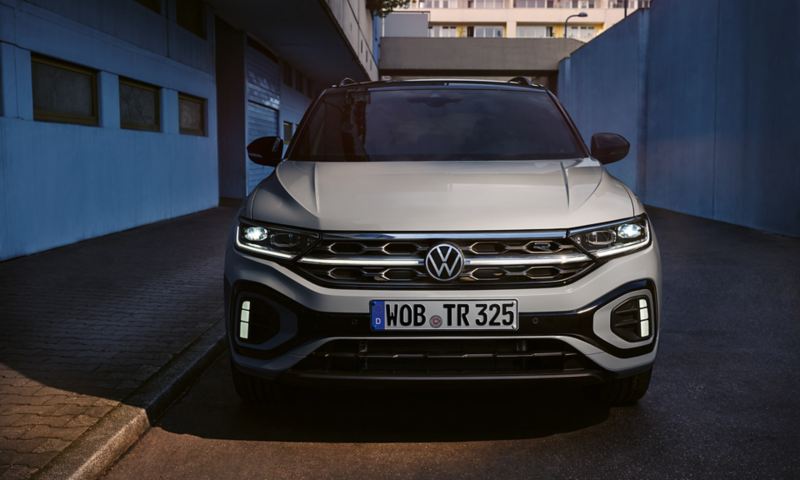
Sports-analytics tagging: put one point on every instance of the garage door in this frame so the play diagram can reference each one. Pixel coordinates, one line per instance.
(263, 102)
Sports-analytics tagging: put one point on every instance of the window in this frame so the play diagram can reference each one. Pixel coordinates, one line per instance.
(534, 31)
(435, 124)
(63, 92)
(577, 3)
(192, 114)
(582, 32)
(189, 15)
(486, 4)
(139, 105)
(533, 3)
(443, 3)
(288, 131)
(154, 5)
(442, 31)
(632, 4)
(486, 31)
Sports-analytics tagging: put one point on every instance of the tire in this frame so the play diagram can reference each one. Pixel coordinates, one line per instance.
(624, 391)
(252, 389)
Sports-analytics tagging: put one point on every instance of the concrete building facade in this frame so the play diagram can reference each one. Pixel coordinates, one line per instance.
(117, 114)
(521, 18)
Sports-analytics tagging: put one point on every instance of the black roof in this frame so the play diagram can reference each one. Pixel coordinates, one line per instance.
(516, 82)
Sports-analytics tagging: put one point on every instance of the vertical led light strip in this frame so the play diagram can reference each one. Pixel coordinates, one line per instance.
(244, 320)
(644, 317)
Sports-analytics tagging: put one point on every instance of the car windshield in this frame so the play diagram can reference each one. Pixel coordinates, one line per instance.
(435, 124)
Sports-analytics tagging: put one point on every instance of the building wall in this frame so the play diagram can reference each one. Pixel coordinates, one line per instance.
(719, 132)
(356, 22)
(405, 24)
(230, 78)
(601, 17)
(64, 182)
(613, 68)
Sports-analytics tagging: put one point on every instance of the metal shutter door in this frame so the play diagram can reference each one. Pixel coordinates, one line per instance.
(263, 102)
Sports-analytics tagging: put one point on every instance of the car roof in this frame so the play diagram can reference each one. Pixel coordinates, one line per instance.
(513, 84)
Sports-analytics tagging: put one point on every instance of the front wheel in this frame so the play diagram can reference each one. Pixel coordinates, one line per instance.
(623, 391)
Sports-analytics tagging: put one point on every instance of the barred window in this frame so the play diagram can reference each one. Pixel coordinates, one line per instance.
(192, 114)
(63, 92)
(139, 105)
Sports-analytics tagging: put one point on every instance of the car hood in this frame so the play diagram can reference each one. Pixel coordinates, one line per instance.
(440, 196)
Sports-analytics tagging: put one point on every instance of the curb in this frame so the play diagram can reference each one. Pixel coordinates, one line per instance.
(99, 447)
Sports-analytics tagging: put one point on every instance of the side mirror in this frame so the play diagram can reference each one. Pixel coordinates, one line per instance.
(266, 151)
(609, 147)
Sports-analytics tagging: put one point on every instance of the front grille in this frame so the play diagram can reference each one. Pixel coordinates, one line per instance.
(489, 262)
(444, 357)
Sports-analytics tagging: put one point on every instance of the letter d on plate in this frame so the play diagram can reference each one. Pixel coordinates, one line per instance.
(377, 313)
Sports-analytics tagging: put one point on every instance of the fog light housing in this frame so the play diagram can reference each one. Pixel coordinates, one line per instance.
(256, 321)
(632, 320)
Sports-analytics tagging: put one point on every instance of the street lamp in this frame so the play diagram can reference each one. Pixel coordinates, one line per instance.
(581, 15)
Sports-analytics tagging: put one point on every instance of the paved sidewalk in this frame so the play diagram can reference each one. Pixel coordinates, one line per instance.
(84, 326)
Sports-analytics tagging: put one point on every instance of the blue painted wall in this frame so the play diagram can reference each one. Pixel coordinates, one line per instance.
(614, 70)
(62, 183)
(718, 131)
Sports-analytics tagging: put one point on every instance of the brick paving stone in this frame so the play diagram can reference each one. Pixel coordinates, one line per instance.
(13, 432)
(61, 432)
(15, 472)
(85, 325)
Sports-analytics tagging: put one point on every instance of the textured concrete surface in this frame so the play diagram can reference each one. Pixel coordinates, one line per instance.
(722, 403)
(501, 56)
(86, 326)
(706, 91)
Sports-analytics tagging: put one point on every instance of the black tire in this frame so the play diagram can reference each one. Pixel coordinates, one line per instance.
(252, 389)
(624, 391)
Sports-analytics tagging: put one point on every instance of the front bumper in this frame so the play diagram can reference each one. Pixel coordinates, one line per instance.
(572, 319)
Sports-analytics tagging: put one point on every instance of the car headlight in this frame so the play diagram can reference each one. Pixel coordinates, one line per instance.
(271, 241)
(614, 238)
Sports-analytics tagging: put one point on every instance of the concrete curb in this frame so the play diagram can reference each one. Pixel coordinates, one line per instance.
(99, 447)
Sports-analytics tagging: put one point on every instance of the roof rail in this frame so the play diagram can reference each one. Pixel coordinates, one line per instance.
(346, 81)
(521, 81)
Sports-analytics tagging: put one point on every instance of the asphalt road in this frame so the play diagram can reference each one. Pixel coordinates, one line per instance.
(724, 402)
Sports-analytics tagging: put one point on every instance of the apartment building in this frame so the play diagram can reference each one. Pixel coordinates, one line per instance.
(521, 18)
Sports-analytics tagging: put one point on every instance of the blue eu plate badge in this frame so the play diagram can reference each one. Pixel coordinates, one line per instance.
(377, 312)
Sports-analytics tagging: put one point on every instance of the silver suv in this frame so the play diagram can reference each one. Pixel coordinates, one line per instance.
(442, 231)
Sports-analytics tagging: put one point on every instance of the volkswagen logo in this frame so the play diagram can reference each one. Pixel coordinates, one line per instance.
(444, 262)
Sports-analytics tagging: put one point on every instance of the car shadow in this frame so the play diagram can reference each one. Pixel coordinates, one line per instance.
(363, 415)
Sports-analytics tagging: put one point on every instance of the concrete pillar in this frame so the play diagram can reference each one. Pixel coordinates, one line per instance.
(170, 115)
(8, 89)
(16, 89)
(22, 61)
(108, 93)
(511, 29)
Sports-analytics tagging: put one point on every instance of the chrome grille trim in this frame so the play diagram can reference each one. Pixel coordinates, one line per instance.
(491, 260)
(533, 235)
(364, 262)
(543, 259)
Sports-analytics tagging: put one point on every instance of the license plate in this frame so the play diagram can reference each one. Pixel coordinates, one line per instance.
(444, 315)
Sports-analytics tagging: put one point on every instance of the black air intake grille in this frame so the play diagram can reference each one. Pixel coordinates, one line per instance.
(450, 357)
